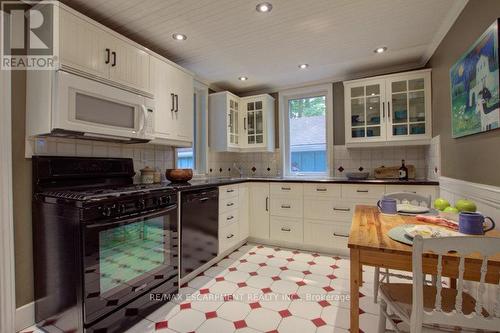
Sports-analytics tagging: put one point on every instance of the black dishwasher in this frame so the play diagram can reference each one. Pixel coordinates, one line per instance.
(199, 228)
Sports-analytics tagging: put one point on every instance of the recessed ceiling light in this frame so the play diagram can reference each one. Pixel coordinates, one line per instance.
(381, 49)
(264, 7)
(179, 36)
(242, 78)
(303, 66)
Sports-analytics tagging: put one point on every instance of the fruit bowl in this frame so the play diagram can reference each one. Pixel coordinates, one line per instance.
(179, 175)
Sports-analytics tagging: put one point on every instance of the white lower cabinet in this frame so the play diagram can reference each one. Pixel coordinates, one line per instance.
(287, 229)
(228, 236)
(328, 235)
(286, 206)
(243, 205)
(259, 210)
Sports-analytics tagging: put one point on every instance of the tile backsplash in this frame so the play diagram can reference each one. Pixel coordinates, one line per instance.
(155, 156)
(249, 164)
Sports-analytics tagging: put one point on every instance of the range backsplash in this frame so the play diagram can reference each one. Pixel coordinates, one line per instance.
(425, 158)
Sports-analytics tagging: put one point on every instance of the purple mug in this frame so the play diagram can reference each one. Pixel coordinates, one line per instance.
(388, 205)
(472, 223)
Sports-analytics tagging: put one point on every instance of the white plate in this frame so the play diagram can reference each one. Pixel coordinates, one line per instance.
(412, 209)
(429, 231)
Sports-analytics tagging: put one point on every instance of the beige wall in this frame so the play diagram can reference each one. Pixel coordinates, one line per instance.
(21, 172)
(475, 158)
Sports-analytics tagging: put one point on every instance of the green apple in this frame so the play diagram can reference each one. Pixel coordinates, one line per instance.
(441, 203)
(450, 209)
(464, 205)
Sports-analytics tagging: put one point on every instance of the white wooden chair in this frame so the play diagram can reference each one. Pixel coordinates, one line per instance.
(384, 276)
(423, 308)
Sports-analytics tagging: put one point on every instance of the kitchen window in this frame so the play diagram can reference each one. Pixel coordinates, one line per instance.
(196, 157)
(305, 115)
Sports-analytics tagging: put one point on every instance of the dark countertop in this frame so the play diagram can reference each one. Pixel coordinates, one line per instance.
(209, 182)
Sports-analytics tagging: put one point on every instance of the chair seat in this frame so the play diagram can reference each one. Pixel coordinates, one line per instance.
(399, 297)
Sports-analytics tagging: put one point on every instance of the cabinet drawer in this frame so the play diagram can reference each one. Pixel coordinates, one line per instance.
(322, 190)
(228, 204)
(329, 209)
(228, 191)
(327, 235)
(363, 191)
(287, 229)
(229, 217)
(416, 189)
(288, 207)
(228, 236)
(287, 189)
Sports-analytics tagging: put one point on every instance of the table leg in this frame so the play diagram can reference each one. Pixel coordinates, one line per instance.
(356, 277)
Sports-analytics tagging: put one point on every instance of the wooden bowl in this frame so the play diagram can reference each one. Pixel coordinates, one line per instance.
(179, 175)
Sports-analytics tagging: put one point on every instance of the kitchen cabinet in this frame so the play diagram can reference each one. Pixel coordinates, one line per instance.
(89, 49)
(229, 217)
(259, 210)
(174, 110)
(258, 123)
(388, 110)
(244, 210)
(241, 124)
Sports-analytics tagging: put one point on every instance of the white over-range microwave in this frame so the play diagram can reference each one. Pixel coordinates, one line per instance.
(67, 105)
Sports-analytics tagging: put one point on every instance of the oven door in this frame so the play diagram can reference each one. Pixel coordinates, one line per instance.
(88, 106)
(126, 258)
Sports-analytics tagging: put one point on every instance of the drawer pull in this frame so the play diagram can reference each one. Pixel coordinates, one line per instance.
(362, 191)
(286, 229)
(342, 209)
(229, 204)
(414, 192)
(321, 189)
(267, 204)
(340, 235)
(286, 206)
(229, 191)
(229, 236)
(286, 188)
(229, 218)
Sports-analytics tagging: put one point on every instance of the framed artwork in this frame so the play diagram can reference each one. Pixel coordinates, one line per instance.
(475, 84)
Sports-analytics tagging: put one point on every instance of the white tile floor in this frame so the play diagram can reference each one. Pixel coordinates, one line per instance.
(265, 289)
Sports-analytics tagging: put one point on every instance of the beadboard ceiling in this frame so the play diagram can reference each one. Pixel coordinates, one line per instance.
(229, 38)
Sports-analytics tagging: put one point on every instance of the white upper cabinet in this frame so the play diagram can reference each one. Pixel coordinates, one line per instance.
(258, 123)
(91, 50)
(241, 124)
(389, 110)
(174, 96)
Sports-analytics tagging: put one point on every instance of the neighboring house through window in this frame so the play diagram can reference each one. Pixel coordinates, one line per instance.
(305, 115)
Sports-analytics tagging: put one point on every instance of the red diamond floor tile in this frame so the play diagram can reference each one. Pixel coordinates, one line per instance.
(240, 324)
(318, 322)
(284, 313)
(255, 305)
(161, 325)
(211, 314)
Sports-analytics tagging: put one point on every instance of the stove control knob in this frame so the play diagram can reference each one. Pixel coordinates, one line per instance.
(107, 211)
(141, 204)
(122, 208)
(165, 200)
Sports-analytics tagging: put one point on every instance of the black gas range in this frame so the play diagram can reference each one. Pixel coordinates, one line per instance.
(104, 248)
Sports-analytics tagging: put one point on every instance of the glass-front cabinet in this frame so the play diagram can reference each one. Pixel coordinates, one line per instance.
(366, 104)
(241, 123)
(392, 109)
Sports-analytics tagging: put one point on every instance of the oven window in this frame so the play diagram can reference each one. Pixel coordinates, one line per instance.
(130, 251)
(105, 112)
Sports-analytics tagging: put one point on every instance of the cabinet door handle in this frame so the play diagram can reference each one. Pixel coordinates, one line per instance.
(114, 59)
(229, 204)
(229, 191)
(229, 218)
(342, 209)
(286, 188)
(383, 111)
(204, 199)
(286, 206)
(340, 235)
(176, 103)
(321, 190)
(245, 123)
(173, 102)
(267, 204)
(286, 229)
(107, 56)
(362, 191)
(388, 110)
(229, 236)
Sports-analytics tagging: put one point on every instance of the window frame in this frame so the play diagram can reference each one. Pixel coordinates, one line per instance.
(200, 137)
(284, 125)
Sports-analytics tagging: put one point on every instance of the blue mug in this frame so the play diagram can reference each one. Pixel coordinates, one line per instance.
(472, 223)
(388, 205)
